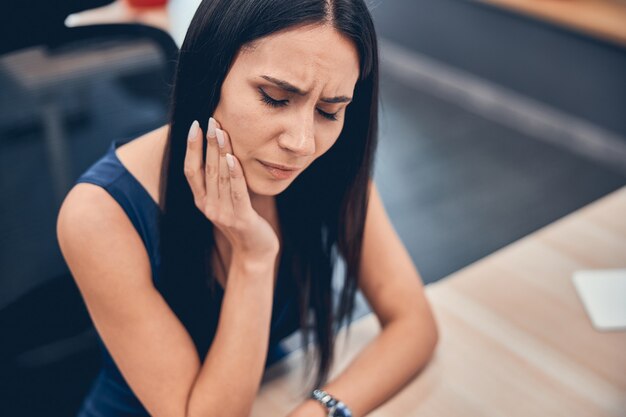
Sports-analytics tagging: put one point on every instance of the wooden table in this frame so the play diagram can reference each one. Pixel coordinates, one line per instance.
(515, 339)
(605, 19)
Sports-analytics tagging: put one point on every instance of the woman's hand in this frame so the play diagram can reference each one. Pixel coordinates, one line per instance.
(221, 193)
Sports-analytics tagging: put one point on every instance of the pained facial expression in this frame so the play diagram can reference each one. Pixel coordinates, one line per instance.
(297, 128)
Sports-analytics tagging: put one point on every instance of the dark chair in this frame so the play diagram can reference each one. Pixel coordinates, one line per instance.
(65, 94)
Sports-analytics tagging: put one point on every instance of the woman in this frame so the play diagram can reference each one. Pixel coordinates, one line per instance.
(196, 254)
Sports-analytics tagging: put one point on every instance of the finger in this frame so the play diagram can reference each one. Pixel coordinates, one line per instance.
(238, 187)
(224, 190)
(225, 201)
(193, 162)
(211, 166)
(223, 139)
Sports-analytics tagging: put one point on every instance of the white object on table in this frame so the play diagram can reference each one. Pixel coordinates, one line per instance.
(603, 293)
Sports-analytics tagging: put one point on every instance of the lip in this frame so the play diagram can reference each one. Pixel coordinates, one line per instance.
(277, 166)
(278, 173)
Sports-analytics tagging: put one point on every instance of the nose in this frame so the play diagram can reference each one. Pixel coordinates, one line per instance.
(299, 137)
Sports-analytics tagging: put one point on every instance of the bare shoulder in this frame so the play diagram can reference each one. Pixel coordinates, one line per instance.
(95, 234)
(89, 206)
(93, 229)
(90, 220)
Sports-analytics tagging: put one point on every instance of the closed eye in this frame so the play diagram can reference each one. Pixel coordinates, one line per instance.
(265, 98)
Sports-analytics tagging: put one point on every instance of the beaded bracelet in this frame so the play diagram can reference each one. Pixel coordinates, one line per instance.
(334, 407)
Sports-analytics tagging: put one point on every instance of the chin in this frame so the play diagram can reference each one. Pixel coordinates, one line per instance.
(265, 186)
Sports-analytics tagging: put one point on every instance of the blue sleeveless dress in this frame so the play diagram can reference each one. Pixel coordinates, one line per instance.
(110, 395)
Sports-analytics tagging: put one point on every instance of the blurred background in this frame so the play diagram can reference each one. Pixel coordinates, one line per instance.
(497, 118)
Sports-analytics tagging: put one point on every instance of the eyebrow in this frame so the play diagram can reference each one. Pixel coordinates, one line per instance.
(293, 89)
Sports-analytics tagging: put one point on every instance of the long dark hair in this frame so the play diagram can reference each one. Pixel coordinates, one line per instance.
(322, 213)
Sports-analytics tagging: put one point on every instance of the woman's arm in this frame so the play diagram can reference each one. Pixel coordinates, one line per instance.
(235, 363)
(231, 374)
(393, 288)
(152, 349)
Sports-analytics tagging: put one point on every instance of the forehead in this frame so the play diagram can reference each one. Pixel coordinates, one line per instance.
(309, 56)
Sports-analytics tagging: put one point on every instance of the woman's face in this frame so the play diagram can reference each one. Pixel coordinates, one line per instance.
(323, 65)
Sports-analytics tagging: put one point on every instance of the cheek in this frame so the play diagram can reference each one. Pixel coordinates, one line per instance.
(238, 114)
(245, 124)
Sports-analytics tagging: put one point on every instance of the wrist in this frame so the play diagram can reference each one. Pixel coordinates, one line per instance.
(334, 406)
(309, 408)
(253, 264)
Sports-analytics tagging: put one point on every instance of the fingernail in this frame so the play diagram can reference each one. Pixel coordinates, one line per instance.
(230, 161)
(193, 131)
(211, 129)
(220, 137)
